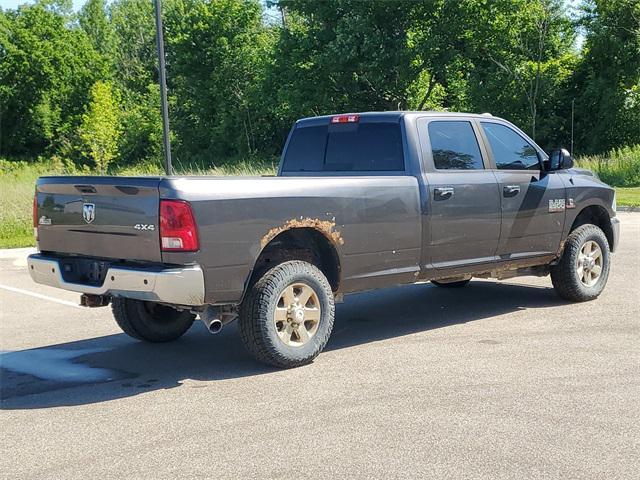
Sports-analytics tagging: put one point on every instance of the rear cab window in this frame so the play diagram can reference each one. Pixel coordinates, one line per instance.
(358, 146)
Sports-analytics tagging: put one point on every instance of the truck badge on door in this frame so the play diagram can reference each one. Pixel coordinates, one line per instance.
(556, 205)
(88, 212)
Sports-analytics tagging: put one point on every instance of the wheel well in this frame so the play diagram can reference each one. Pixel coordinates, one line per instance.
(306, 244)
(595, 215)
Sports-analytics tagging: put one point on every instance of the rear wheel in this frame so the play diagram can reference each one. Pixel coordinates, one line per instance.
(287, 317)
(150, 321)
(582, 272)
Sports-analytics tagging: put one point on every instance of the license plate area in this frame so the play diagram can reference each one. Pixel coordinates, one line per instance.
(85, 271)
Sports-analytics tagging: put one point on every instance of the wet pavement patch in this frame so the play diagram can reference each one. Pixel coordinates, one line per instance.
(41, 370)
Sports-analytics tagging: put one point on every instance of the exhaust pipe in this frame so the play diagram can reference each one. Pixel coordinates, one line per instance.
(214, 318)
(215, 326)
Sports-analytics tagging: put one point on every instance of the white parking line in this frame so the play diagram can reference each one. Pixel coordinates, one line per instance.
(38, 295)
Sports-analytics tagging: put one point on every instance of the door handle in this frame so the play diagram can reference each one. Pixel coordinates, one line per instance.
(511, 190)
(443, 193)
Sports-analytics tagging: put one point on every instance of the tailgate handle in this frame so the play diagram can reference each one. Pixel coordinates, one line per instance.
(85, 188)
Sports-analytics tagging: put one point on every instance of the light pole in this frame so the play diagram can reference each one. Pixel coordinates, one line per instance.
(163, 89)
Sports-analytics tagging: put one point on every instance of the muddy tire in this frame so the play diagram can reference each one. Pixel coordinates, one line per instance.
(460, 284)
(287, 317)
(149, 321)
(583, 270)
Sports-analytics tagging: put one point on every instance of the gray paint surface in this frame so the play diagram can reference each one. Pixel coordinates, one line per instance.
(387, 229)
(377, 220)
(120, 204)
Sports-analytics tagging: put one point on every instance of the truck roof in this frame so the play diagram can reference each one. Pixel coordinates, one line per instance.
(390, 116)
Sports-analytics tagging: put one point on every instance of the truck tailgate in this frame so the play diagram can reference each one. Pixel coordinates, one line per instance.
(107, 217)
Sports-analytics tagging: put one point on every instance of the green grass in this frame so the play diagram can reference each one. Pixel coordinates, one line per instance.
(242, 167)
(628, 197)
(17, 184)
(619, 168)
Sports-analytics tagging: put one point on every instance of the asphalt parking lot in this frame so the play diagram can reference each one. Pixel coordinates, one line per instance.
(497, 380)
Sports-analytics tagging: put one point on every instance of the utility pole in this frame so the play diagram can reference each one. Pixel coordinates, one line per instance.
(163, 89)
(573, 104)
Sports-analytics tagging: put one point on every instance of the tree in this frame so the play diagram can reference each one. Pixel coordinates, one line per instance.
(345, 55)
(94, 21)
(522, 56)
(100, 128)
(216, 56)
(47, 66)
(439, 36)
(607, 82)
(135, 76)
(237, 80)
(134, 53)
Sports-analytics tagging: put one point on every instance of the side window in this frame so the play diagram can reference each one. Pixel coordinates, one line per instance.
(454, 146)
(510, 150)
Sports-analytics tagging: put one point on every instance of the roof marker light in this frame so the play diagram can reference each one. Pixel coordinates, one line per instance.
(345, 119)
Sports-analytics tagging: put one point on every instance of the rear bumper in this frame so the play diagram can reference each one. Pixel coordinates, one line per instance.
(615, 228)
(178, 286)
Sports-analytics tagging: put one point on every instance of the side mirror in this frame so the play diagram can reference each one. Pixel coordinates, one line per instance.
(560, 159)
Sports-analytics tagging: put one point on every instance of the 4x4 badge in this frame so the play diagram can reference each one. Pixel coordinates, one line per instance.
(88, 212)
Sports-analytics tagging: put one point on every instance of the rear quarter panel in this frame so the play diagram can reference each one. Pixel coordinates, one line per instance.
(373, 222)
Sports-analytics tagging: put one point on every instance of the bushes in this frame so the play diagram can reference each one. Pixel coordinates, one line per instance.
(619, 168)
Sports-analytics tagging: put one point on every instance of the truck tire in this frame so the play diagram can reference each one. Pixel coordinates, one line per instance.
(582, 272)
(459, 284)
(149, 321)
(287, 316)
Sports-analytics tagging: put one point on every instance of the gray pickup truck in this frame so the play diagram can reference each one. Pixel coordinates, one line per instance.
(361, 201)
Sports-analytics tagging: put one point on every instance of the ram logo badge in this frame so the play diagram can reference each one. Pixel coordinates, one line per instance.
(556, 205)
(88, 212)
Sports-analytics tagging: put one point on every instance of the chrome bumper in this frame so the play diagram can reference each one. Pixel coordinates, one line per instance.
(179, 286)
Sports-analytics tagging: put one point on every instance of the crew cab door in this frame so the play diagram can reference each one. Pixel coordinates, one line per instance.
(533, 201)
(463, 200)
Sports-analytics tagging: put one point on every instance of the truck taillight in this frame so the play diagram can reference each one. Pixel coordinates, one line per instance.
(35, 215)
(178, 231)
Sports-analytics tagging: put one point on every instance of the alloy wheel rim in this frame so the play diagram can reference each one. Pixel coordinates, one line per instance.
(297, 314)
(589, 263)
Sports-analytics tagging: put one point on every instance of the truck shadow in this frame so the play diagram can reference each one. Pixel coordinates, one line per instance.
(115, 366)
